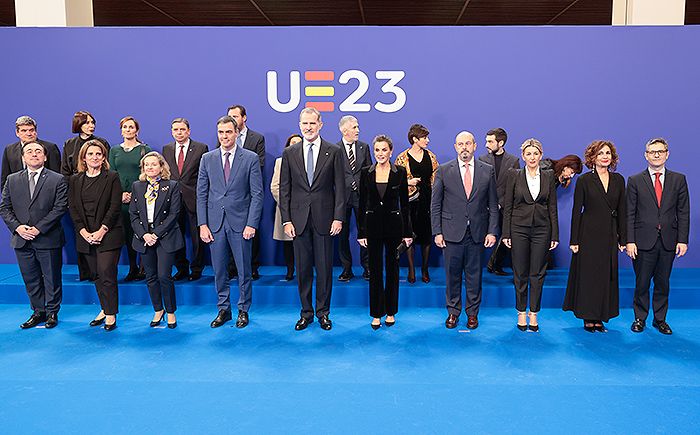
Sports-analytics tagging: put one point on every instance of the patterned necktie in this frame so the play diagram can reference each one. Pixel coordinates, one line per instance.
(658, 188)
(152, 190)
(353, 164)
(310, 164)
(32, 184)
(467, 180)
(181, 159)
(227, 167)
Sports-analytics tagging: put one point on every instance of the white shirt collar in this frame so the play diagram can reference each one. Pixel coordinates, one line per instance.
(316, 142)
(652, 172)
(186, 144)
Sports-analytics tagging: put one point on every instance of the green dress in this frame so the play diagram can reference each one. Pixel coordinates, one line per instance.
(126, 164)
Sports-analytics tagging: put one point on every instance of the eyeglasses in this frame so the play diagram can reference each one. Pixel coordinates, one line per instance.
(656, 152)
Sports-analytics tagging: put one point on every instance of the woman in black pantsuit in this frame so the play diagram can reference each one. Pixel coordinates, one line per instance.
(598, 232)
(95, 203)
(530, 229)
(154, 209)
(384, 220)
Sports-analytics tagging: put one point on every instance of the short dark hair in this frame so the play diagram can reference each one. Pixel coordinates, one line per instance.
(660, 140)
(81, 118)
(32, 143)
(226, 119)
(383, 138)
(418, 131)
(500, 134)
(237, 106)
(182, 120)
(289, 139)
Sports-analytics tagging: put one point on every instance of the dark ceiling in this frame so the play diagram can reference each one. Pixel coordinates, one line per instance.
(349, 12)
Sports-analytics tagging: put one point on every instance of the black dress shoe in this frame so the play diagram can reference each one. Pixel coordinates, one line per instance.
(180, 275)
(289, 276)
(255, 275)
(365, 274)
(346, 276)
(110, 327)
(302, 323)
(325, 322)
(496, 271)
(242, 319)
(97, 322)
(155, 323)
(662, 326)
(451, 321)
(221, 318)
(34, 320)
(411, 278)
(131, 276)
(194, 276)
(51, 320)
(638, 325)
(425, 278)
(472, 322)
(140, 276)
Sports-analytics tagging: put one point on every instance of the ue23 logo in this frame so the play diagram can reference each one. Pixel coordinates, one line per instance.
(320, 87)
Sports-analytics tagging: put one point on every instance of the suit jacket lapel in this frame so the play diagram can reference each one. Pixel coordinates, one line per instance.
(39, 183)
(234, 166)
(455, 173)
(646, 179)
(599, 183)
(522, 181)
(160, 199)
(323, 157)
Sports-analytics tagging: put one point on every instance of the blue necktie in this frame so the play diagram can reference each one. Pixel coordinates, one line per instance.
(310, 164)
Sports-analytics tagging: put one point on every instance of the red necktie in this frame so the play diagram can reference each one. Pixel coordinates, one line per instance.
(181, 159)
(467, 180)
(657, 187)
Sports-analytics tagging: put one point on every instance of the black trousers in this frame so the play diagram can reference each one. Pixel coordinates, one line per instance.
(383, 297)
(314, 250)
(499, 252)
(463, 259)
(288, 247)
(103, 265)
(158, 264)
(41, 272)
(187, 221)
(655, 263)
(530, 246)
(344, 242)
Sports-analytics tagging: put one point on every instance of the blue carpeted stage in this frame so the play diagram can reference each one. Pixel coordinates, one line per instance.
(415, 377)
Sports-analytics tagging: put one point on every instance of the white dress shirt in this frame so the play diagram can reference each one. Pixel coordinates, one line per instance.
(150, 210)
(223, 156)
(662, 178)
(240, 140)
(184, 150)
(316, 149)
(533, 183)
(36, 177)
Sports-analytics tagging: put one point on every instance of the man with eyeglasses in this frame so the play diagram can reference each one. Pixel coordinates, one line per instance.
(658, 222)
(33, 202)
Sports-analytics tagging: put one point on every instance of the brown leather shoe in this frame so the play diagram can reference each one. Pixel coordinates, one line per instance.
(472, 322)
(451, 321)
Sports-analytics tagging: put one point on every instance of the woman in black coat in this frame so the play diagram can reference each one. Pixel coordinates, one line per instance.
(598, 232)
(95, 202)
(383, 223)
(154, 209)
(530, 229)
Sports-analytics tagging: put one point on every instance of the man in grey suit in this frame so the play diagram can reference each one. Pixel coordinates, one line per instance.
(183, 156)
(464, 219)
(229, 205)
(12, 157)
(502, 161)
(356, 155)
(253, 141)
(33, 202)
(312, 205)
(658, 226)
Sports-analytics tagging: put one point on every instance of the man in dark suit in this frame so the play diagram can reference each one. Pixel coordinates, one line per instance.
(312, 205)
(229, 205)
(501, 161)
(356, 156)
(255, 142)
(183, 157)
(658, 223)
(33, 202)
(26, 131)
(464, 219)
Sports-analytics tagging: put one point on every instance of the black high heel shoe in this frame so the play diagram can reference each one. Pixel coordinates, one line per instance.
(172, 325)
(376, 326)
(600, 327)
(522, 316)
(97, 322)
(390, 323)
(588, 326)
(111, 327)
(155, 323)
(532, 318)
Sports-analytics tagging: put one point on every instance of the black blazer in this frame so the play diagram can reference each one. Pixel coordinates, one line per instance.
(190, 170)
(521, 209)
(362, 158)
(12, 158)
(43, 211)
(645, 219)
(324, 199)
(509, 161)
(165, 215)
(71, 149)
(255, 142)
(108, 210)
(387, 217)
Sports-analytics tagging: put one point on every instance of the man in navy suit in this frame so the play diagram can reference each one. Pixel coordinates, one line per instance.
(658, 223)
(229, 205)
(183, 156)
(255, 142)
(356, 156)
(464, 220)
(33, 202)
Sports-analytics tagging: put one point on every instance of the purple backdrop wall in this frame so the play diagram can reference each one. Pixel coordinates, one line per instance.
(563, 85)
